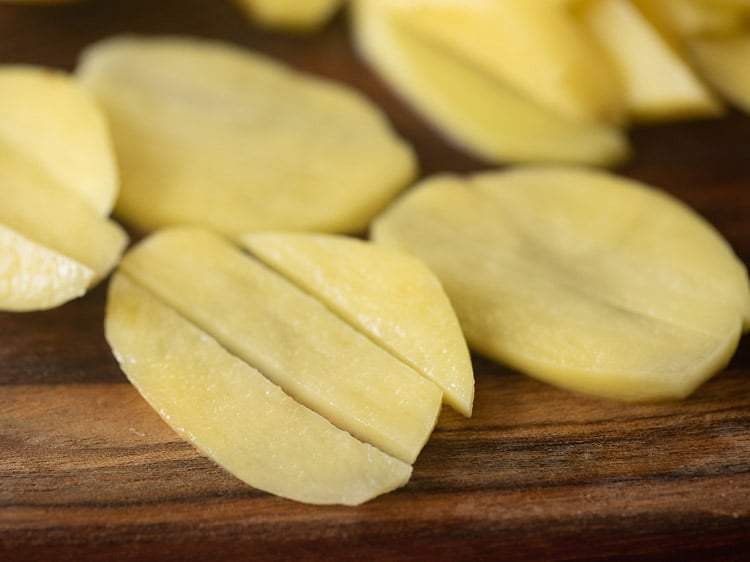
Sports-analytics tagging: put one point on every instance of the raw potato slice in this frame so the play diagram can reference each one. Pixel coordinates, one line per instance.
(33, 276)
(659, 84)
(33, 204)
(474, 110)
(235, 415)
(51, 120)
(291, 15)
(725, 63)
(389, 296)
(290, 337)
(678, 20)
(538, 49)
(210, 134)
(580, 278)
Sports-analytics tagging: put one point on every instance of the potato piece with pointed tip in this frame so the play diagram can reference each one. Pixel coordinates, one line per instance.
(659, 85)
(290, 15)
(289, 336)
(233, 414)
(580, 278)
(215, 135)
(475, 111)
(51, 120)
(389, 296)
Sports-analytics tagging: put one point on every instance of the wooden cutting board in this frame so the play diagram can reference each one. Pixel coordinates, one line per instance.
(89, 472)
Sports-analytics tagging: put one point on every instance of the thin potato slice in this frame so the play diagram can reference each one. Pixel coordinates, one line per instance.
(585, 280)
(235, 415)
(389, 296)
(51, 120)
(725, 63)
(477, 112)
(210, 134)
(290, 15)
(290, 337)
(34, 277)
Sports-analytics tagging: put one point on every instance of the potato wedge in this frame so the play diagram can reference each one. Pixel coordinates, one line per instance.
(233, 414)
(214, 135)
(580, 278)
(50, 119)
(291, 337)
(391, 297)
(477, 112)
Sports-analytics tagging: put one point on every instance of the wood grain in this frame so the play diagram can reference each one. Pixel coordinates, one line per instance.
(89, 472)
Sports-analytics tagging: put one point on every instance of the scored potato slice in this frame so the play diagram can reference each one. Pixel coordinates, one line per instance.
(391, 297)
(290, 15)
(50, 119)
(211, 134)
(474, 110)
(290, 337)
(658, 83)
(234, 414)
(580, 278)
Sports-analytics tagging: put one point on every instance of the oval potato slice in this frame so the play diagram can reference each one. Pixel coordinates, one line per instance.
(391, 297)
(233, 414)
(580, 278)
(214, 135)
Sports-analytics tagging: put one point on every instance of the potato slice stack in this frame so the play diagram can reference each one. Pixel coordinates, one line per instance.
(558, 81)
(301, 377)
(58, 182)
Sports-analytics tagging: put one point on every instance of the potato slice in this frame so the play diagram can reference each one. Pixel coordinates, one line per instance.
(34, 277)
(50, 119)
(725, 63)
(389, 296)
(477, 112)
(290, 15)
(235, 415)
(210, 134)
(580, 278)
(537, 49)
(290, 337)
(678, 20)
(659, 84)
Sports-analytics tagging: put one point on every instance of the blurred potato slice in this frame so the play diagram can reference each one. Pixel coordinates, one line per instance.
(474, 110)
(212, 134)
(725, 63)
(290, 15)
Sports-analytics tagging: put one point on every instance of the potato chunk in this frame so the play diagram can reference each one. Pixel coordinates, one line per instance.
(233, 413)
(580, 278)
(391, 297)
(214, 135)
(289, 336)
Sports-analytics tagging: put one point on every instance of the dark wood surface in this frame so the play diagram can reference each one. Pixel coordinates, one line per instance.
(89, 472)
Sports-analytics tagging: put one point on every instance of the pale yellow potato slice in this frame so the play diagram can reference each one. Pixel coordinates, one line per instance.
(588, 281)
(391, 297)
(215, 135)
(35, 277)
(290, 15)
(233, 414)
(289, 336)
(659, 85)
(33, 204)
(678, 20)
(725, 63)
(537, 49)
(51, 120)
(476, 112)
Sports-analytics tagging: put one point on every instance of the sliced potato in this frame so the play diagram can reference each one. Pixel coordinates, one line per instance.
(580, 278)
(725, 63)
(477, 112)
(537, 49)
(214, 135)
(290, 15)
(34, 277)
(391, 297)
(234, 414)
(290, 337)
(678, 20)
(659, 84)
(51, 120)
